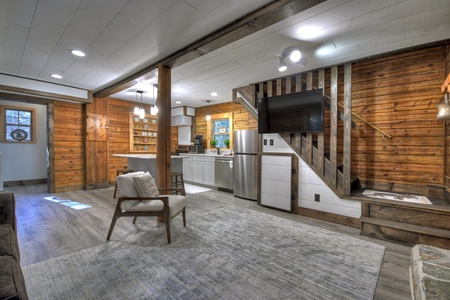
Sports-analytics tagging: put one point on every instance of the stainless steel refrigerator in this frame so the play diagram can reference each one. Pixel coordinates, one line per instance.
(245, 164)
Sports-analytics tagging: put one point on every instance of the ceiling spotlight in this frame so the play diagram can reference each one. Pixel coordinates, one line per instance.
(57, 76)
(295, 55)
(214, 94)
(77, 53)
(178, 102)
(281, 64)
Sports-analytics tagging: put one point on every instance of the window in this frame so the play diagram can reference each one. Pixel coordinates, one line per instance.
(221, 132)
(18, 124)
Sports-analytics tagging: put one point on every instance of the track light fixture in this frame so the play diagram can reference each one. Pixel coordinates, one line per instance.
(281, 64)
(295, 56)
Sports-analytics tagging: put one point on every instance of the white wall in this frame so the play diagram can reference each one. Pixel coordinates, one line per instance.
(309, 184)
(26, 161)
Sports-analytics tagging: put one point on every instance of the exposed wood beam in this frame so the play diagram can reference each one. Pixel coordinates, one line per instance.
(261, 18)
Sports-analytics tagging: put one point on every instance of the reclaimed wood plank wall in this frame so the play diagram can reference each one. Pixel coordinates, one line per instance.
(242, 120)
(447, 135)
(69, 146)
(399, 94)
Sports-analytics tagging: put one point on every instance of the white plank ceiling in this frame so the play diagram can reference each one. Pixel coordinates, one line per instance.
(121, 37)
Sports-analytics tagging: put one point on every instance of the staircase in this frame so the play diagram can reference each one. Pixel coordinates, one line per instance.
(403, 222)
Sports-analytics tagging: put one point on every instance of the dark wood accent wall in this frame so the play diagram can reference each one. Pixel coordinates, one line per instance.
(69, 146)
(242, 120)
(399, 94)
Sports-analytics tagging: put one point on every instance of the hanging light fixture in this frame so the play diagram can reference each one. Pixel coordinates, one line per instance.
(154, 108)
(136, 107)
(443, 110)
(141, 109)
(208, 116)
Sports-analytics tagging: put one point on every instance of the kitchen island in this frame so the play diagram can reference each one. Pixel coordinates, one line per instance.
(147, 162)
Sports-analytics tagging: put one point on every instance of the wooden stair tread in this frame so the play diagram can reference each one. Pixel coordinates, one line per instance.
(407, 227)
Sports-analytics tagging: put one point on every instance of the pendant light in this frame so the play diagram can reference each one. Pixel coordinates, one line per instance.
(136, 107)
(141, 109)
(154, 108)
(443, 110)
(208, 116)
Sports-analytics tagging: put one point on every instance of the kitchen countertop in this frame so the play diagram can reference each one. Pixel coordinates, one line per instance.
(205, 154)
(142, 156)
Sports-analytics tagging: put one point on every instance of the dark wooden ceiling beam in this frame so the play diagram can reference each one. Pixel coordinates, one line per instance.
(259, 19)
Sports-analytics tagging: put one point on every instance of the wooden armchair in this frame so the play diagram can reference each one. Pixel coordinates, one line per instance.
(139, 197)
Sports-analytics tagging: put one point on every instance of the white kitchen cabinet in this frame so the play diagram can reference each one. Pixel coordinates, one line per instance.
(209, 171)
(203, 170)
(278, 180)
(187, 168)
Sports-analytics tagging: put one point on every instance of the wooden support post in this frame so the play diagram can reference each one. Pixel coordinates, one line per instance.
(309, 144)
(347, 127)
(163, 160)
(321, 138)
(333, 125)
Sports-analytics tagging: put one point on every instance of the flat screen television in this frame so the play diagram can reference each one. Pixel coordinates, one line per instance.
(297, 112)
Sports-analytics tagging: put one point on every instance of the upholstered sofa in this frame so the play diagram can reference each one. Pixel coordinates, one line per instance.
(12, 283)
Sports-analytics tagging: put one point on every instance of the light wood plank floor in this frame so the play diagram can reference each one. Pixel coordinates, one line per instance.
(47, 229)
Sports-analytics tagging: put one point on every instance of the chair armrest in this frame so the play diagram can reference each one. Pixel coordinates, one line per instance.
(170, 191)
(8, 210)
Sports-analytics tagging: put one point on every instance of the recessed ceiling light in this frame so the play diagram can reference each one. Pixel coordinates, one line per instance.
(214, 94)
(178, 102)
(78, 53)
(57, 76)
(309, 32)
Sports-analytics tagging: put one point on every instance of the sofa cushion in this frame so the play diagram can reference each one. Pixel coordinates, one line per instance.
(8, 242)
(12, 282)
(8, 209)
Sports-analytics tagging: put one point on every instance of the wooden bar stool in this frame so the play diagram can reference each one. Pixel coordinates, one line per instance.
(177, 180)
(120, 172)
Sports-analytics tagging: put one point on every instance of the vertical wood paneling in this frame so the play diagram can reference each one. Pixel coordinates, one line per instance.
(333, 125)
(347, 127)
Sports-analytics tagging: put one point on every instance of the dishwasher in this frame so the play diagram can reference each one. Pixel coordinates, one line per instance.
(224, 173)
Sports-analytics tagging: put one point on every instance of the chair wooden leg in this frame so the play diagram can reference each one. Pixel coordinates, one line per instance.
(167, 221)
(113, 222)
(134, 220)
(115, 190)
(183, 212)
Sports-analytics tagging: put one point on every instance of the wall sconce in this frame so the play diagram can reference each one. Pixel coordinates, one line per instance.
(208, 116)
(154, 108)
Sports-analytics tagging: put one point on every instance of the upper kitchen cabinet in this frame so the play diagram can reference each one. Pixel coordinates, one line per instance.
(182, 116)
(143, 133)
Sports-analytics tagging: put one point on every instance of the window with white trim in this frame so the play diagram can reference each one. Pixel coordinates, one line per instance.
(18, 124)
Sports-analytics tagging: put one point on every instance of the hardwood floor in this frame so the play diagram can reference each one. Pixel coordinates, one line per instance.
(47, 229)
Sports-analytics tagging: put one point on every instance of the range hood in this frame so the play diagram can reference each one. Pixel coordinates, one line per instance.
(182, 116)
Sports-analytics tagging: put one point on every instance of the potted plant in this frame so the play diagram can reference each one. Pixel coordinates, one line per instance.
(227, 143)
(213, 143)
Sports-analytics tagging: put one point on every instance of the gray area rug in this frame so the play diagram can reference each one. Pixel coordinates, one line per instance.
(231, 253)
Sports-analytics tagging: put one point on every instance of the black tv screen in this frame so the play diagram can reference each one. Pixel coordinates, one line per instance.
(297, 112)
